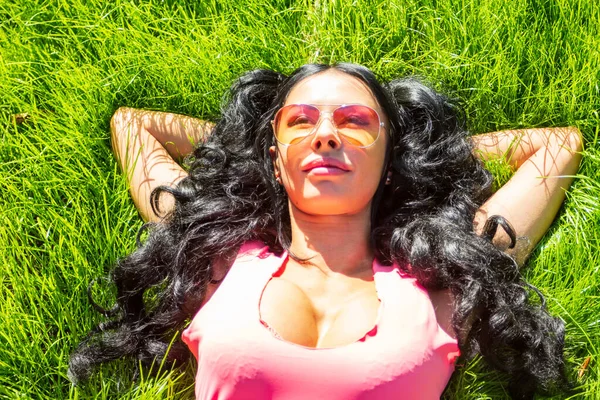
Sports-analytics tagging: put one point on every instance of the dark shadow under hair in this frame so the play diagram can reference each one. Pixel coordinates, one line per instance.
(423, 222)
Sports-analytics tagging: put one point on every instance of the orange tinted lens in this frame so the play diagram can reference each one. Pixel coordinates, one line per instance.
(294, 122)
(358, 124)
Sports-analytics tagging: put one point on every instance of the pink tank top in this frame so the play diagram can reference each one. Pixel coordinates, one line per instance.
(406, 355)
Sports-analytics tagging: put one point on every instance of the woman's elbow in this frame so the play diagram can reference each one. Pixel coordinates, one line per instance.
(567, 141)
(575, 139)
(123, 133)
(119, 120)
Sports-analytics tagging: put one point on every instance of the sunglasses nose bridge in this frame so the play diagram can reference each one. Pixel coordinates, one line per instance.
(323, 115)
(323, 129)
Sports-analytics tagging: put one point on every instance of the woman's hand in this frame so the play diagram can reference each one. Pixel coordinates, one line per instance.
(546, 160)
(148, 145)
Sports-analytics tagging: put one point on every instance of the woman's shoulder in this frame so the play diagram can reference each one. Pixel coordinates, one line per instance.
(251, 250)
(221, 266)
(441, 300)
(247, 252)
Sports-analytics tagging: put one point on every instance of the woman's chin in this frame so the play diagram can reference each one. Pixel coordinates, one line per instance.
(324, 206)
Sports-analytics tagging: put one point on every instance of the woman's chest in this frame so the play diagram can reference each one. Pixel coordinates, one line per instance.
(317, 313)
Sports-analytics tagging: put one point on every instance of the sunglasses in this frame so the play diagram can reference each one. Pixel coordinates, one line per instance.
(356, 124)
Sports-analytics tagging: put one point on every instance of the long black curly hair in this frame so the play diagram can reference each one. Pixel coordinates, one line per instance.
(423, 222)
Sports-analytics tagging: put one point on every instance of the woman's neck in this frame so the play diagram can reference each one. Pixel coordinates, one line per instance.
(336, 244)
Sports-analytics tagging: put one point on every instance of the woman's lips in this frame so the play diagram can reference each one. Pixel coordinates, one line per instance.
(323, 167)
(321, 171)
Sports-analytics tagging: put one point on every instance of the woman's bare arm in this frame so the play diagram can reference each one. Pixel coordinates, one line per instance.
(148, 146)
(546, 160)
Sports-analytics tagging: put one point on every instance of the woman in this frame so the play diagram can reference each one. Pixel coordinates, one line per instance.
(351, 233)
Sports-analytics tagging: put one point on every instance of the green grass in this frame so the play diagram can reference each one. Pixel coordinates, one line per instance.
(65, 213)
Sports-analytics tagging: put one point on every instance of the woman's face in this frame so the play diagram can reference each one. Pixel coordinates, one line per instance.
(323, 174)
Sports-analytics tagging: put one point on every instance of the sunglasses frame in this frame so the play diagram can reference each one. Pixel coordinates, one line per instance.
(337, 106)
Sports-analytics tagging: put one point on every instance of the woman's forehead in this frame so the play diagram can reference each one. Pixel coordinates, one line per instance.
(331, 87)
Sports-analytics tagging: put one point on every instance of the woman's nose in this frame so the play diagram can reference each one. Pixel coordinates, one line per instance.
(325, 135)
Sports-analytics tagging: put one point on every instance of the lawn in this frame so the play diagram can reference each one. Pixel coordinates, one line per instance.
(65, 212)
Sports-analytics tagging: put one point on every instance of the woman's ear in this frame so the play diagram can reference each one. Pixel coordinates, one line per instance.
(273, 154)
